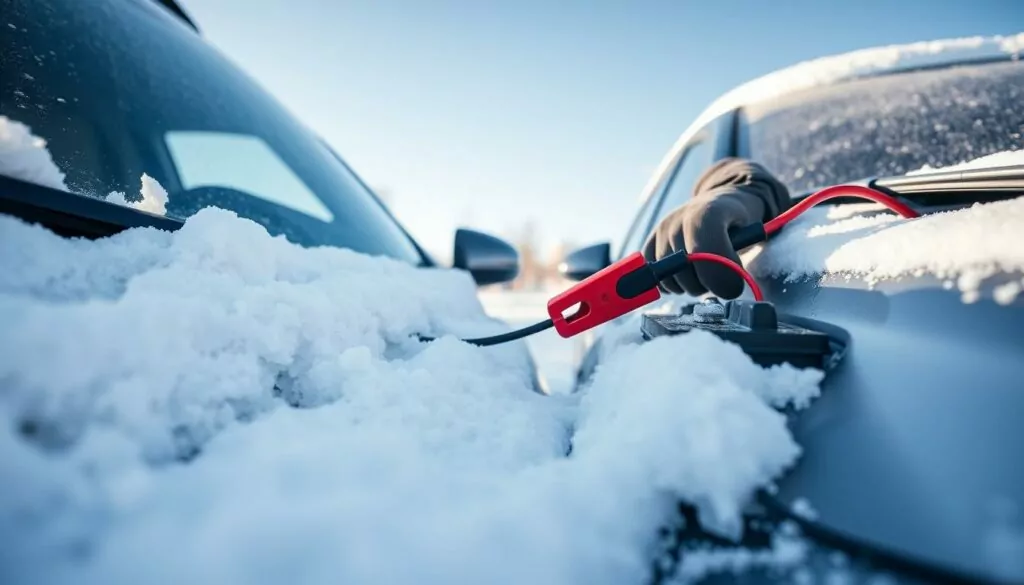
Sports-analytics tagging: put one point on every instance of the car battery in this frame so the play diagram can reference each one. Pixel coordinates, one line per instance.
(754, 326)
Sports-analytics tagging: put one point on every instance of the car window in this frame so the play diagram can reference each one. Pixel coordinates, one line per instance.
(637, 233)
(244, 163)
(889, 125)
(118, 89)
(674, 189)
(697, 158)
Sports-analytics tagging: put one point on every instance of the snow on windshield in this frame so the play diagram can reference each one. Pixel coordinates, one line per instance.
(152, 197)
(830, 69)
(963, 247)
(219, 405)
(888, 125)
(24, 156)
(1007, 158)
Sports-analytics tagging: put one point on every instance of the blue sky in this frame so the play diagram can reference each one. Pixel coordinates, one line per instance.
(492, 115)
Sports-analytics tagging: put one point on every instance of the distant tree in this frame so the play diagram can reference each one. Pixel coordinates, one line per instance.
(558, 253)
(529, 261)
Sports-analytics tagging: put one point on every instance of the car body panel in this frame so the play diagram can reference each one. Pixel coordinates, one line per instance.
(912, 451)
(910, 446)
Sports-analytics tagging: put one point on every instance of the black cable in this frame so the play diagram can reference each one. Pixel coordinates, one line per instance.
(504, 337)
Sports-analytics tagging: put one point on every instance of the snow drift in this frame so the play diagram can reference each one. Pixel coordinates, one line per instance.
(220, 405)
(962, 247)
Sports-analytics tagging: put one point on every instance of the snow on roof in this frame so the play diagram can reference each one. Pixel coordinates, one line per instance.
(24, 156)
(219, 405)
(835, 68)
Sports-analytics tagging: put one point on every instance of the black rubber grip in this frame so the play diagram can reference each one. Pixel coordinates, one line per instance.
(747, 236)
(637, 282)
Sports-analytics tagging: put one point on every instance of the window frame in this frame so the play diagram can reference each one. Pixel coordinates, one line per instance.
(721, 134)
(701, 138)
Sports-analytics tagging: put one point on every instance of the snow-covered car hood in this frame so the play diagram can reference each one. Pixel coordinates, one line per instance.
(218, 404)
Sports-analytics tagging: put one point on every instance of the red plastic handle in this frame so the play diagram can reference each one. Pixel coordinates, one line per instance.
(597, 299)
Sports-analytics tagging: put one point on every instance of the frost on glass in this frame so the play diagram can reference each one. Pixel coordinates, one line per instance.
(889, 125)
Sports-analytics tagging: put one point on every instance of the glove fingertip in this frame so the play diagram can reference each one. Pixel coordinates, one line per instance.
(671, 286)
(721, 281)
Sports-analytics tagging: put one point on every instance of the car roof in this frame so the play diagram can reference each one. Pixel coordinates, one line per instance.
(870, 62)
(175, 8)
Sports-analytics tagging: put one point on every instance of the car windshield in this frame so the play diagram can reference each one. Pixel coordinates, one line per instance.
(118, 89)
(889, 125)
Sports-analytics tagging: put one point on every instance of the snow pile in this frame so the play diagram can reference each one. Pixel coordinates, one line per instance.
(24, 156)
(219, 405)
(835, 68)
(1007, 158)
(788, 551)
(153, 197)
(967, 245)
(556, 357)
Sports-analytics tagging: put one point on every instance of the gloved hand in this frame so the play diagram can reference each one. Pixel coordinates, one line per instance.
(731, 194)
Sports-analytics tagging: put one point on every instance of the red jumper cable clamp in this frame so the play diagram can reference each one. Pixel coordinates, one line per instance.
(632, 282)
(597, 299)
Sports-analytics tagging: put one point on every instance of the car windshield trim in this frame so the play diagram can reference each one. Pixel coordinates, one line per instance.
(1010, 178)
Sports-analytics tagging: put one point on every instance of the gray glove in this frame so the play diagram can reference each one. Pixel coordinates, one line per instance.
(732, 193)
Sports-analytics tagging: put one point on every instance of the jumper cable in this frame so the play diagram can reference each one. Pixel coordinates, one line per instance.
(632, 282)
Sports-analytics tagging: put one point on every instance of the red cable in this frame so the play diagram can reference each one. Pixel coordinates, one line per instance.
(746, 276)
(838, 191)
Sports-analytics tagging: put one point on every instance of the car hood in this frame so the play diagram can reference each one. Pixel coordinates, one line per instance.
(913, 446)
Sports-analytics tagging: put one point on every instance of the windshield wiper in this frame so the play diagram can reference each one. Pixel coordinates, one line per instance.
(997, 180)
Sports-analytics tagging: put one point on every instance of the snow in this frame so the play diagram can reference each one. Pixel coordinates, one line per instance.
(1005, 294)
(557, 358)
(219, 405)
(1007, 158)
(786, 553)
(24, 156)
(888, 126)
(968, 245)
(803, 508)
(153, 197)
(835, 68)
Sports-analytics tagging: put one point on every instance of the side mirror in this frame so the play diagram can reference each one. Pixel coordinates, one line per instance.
(489, 259)
(586, 261)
